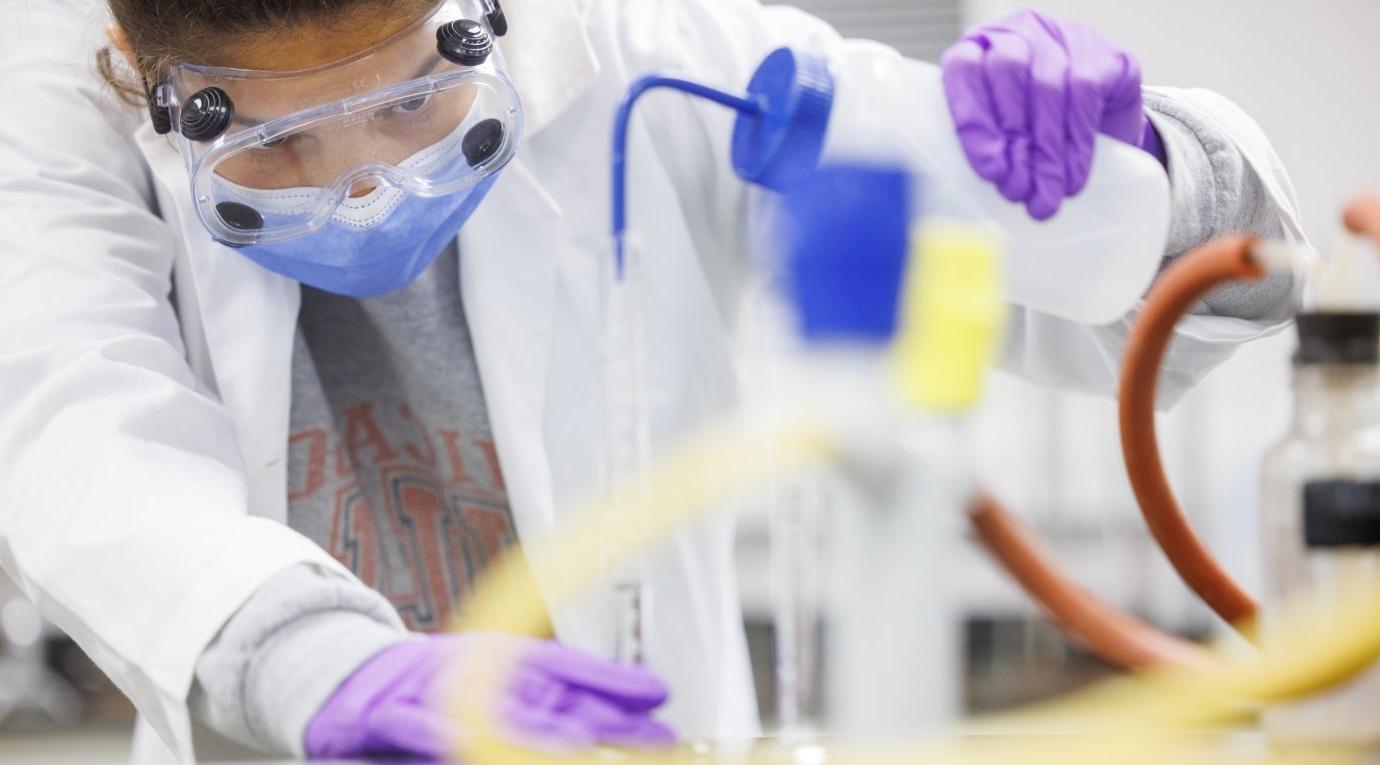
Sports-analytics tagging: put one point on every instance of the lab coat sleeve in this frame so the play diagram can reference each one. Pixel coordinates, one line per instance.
(1214, 192)
(123, 500)
(285, 652)
(1225, 178)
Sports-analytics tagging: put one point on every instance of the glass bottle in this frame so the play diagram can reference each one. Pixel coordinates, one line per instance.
(1321, 503)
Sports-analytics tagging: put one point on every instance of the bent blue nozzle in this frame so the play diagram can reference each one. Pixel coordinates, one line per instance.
(778, 137)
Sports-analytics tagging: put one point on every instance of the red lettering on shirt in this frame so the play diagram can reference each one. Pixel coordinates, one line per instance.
(354, 541)
(457, 462)
(491, 526)
(427, 457)
(422, 511)
(442, 520)
(491, 458)
(316, 444)
(362, 432)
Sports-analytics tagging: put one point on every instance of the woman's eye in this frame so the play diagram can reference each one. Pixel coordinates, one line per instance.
(413, 105)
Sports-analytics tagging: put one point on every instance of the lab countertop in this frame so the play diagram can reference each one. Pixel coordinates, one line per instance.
(1239, 748)
(110, 746)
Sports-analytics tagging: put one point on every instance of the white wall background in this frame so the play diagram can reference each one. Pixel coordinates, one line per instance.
(1303, 69)
(918, 28)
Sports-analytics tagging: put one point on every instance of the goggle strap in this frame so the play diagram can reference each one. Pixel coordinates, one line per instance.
(493, 13)
(160, 115)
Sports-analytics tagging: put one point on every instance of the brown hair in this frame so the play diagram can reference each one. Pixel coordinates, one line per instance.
(160, 31)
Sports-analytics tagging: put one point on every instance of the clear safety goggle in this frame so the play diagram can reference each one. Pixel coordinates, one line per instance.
(275, 155)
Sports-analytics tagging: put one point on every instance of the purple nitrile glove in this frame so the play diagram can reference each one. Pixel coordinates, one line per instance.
(1029, 94)
(558, 697)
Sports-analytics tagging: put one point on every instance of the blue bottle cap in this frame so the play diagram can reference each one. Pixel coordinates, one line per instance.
(846, 236)
(783, 144)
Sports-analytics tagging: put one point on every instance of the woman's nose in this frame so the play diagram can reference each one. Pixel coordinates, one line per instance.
(349, 150)
(362, 187)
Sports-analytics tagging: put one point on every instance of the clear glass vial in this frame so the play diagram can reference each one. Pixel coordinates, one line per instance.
(1321, 506)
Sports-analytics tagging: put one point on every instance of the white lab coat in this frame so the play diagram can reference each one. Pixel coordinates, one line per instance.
(144, 369)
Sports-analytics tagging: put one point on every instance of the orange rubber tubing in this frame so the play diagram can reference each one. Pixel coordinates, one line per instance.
(1117, 638)
(1183, 284)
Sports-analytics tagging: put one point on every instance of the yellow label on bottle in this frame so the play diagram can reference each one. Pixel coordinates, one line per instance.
(951, 316)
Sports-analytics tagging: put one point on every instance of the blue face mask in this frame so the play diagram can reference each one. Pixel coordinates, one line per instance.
(278, 186)
(360, 262)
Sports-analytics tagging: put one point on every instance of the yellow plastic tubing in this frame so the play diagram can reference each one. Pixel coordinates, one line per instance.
(1145, 719)
(1136, 720)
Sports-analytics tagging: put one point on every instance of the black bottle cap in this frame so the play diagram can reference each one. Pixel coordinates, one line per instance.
(1341, 514)
(497, 21)
(1338, 338)
(482, 141)
(240, 217)
(465, 42)
(206, 115)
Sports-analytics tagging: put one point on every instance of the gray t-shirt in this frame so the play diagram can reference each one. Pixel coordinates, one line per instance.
(392, 467)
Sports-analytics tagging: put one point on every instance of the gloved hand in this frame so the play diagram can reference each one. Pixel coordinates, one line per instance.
(1029, 93)
(557, 698)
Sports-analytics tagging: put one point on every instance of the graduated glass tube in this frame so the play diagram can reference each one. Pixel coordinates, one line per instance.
(627, 437)
(1321, 507)
(795, 505)
(797, 510)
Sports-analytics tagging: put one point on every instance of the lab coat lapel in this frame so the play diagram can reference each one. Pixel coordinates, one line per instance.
(510, 252)
(508, 272)
(549, 56)
(250, 316)
(247, 315)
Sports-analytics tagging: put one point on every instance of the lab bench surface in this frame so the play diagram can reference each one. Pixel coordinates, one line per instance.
(1235, 748)
(110, 747)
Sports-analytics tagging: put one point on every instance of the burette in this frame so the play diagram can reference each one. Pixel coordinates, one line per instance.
(778, 138)
(627, 439)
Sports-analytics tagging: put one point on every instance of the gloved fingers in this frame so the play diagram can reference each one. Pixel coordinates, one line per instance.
(644, 733)
(593, 709)
(630, 685)
(974, 114)
(1030, 24)
(535, 688)
(1099, 63)
(1082, 122)
(411, 729)
(1124, 118)
(338, 728)
(631, 703)
(1050, 144)
(582, 719)
(543, 728)
(1006, 67)
(613, 725)
(600, 714)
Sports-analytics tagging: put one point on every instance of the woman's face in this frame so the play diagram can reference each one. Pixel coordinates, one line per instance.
(306, 46)
(315, 155)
